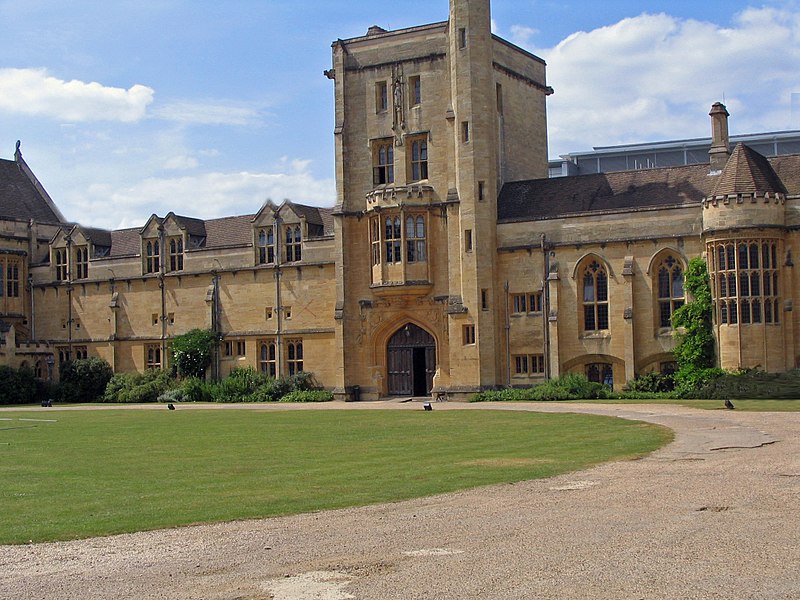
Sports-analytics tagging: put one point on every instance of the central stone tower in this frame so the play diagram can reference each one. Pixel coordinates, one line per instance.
(430, 121)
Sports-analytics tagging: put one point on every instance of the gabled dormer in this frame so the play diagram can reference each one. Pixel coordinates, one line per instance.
(280, 232)
(152, 241)
(72, 248)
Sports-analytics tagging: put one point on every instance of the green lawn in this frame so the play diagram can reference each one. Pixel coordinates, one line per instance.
(103, 472)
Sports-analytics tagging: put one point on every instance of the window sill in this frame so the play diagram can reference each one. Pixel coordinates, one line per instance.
(595, 335)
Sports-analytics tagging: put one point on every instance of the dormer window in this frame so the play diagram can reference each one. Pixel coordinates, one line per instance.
(81, 262)
(175, 254)
(152, 256)
(294, 240)
(60, 256)
(266, 246)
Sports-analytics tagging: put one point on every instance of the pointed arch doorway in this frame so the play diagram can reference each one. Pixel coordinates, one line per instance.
(411, 361)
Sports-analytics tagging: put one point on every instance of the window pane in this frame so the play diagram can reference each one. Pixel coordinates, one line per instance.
(677, 283)
(588, 318)
(721, 257)
(753, 256)
(743, 256)
(602, 316)
(755, 284)
(420, 227)
(663, 283)
(588, 288)
(602, 287)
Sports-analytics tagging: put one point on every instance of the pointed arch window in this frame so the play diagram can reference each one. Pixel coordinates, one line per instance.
(267, 358)
(266, 246)
(595, 297)
(152, 256)
(393, 237)
(294, 239)
(61, 264)
(81, 262)
(175, 254)
(670, 289)
(415, 239)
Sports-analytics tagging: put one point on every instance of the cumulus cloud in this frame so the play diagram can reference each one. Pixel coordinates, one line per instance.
(655, 77)
(205, 195)
(33, 92)
(521, 35)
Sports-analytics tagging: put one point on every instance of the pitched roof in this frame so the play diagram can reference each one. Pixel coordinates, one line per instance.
(19, 197)
(229, 231)
(194, 227)
(99, 237)
(125, 242)
(747, 172)
(561, 196)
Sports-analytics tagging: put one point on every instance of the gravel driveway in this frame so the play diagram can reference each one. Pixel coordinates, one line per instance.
(716, 514)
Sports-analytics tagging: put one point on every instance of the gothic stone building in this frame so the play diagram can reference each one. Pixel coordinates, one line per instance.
(447, 250)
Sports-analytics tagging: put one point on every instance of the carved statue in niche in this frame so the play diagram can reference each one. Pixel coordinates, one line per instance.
(399, 121)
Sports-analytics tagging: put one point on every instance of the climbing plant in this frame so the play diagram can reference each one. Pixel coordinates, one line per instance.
(192, 352)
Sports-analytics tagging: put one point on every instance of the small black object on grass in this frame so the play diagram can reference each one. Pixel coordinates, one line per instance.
(171, 406)
(427, 406)
(728, 404)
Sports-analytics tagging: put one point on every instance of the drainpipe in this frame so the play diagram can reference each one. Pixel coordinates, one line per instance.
(278, 299)
(162, 288)
(508, 336)
(69, 296)
(215, 371)
(546, 307)
(33, 308)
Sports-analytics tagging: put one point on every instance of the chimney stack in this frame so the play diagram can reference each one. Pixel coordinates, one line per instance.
(720, 146)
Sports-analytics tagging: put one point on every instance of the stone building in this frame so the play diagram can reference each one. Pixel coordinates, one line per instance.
(448, 253)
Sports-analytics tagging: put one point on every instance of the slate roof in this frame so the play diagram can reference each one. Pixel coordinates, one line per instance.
(560, 196)
(19, 198)
(747, 172)
(125, 242)
(229, 231)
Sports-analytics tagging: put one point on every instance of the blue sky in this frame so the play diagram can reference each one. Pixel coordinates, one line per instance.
(131, 107)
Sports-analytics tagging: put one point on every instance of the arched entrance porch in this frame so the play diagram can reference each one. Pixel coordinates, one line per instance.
(410, 361)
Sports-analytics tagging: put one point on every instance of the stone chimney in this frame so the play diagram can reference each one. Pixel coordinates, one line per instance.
(720, 146)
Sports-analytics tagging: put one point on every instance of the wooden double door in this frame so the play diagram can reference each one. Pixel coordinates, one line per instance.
(411, 361)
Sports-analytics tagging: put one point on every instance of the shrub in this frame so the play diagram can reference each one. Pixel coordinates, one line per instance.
(84, 380)
(172, 395)
(651, 383)
(17, 386)
(572, 386)
(689, 380)
(308, 396)
(191, 352)
(751, 384)
(239, 385)
(138, 387)
(196, 390)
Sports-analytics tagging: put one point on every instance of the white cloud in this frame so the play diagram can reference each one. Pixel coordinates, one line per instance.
(205, 196)
(209, 113)
(655, 77)
(521, 35)
(33, 92)
(178, 163)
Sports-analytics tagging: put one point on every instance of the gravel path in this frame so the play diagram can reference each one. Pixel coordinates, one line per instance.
(712, 515)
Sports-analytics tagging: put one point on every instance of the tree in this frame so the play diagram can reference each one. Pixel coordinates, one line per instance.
(192, 352)
(84, 380)
(695, 349)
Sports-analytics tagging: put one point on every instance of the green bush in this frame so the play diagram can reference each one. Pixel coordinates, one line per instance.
(191, 352)
(84, 380)
(138, 387)
(308, 396)
(196, 390)
(172, 395)
(689, 380)
(651, 383)
(239, 385)
(18, 386)
(751, 384)
(572, 386)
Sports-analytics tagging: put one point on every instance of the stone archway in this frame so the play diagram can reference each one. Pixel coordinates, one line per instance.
(410, 361)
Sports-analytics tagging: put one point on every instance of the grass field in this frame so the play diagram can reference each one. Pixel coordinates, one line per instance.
(94, 473)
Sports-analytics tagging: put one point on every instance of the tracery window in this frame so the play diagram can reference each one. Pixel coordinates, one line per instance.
(267, 358)
(595, 297)
(415, 239)
(294, 356)
(61, 264)
(375, 240)
(294, 246)
(266, 246)
(383, 162)
(175, 251)
(600, 373)
(745, 281)
(393, 236)
(81, 262)
(12, 278)
(153, 356)
(152, 256)
(670, 289)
